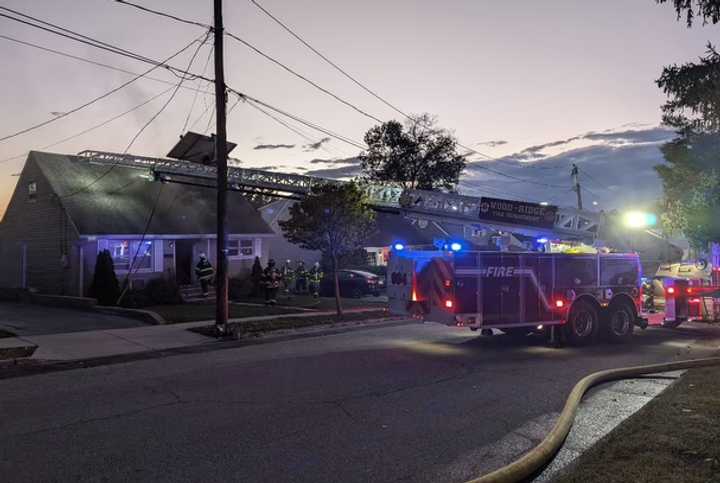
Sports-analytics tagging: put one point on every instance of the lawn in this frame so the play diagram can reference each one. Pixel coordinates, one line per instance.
(673, 438)
(282, 323)
(321, 303)
(193, 312)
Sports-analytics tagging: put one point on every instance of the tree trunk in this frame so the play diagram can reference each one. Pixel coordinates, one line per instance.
(338, 305)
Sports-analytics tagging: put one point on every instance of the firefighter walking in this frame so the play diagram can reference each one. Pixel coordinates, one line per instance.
(271, 281)
(205, 273)
(315, 275)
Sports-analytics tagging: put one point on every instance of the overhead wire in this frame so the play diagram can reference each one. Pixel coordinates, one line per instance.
(142, 129)
(163, 14)
(192, 106)
(94, 100)
(333, 64)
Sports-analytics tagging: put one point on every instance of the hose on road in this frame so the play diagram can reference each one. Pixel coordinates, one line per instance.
(537, 458)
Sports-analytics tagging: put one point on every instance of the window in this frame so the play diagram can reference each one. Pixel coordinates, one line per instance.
(241, 248)
(32, 190)
(124, 251)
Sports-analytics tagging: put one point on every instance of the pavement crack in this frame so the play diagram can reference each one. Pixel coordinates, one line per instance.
(98, 419)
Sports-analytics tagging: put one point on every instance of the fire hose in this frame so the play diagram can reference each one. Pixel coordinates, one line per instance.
(537, 458)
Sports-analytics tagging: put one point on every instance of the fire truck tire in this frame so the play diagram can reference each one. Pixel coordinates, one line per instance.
(416, 311)
(619, 322)
(583, 324)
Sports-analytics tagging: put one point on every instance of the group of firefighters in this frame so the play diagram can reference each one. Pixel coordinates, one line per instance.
(298, 280)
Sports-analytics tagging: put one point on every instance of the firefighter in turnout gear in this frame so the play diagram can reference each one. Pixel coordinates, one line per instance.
(205, 273)
(288, 275)
(301, 278)
(315, 275)
(271, 280)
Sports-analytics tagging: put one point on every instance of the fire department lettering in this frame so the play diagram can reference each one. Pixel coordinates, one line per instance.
(497, 272)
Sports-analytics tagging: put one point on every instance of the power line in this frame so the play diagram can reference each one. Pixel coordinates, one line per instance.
(142, 129)
(333, 64)
(95, 43)
(97, 126)
(93, 101)
(302, 77)
(92, 62)
(163, 14)
(192, 106)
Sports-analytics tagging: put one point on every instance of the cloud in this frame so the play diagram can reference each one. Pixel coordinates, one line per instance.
(270, 168)
(274, 146)
(492, 144)
(353, 160)
(315, 146)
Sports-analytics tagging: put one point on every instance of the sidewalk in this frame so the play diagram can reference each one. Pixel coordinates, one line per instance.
(101, 343)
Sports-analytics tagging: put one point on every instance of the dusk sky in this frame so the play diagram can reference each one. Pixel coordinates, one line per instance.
(522, 72)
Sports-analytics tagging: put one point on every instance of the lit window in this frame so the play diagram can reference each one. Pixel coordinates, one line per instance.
(240, 248)
(32, 190)
(124, 251)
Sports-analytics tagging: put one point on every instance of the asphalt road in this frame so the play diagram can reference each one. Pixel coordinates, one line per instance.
(407, 403)
(28, 319)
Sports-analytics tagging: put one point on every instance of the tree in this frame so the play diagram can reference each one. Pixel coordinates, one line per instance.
(691, 177)
(105, 287)
(417, 155)
(708, 10)
(334, 219)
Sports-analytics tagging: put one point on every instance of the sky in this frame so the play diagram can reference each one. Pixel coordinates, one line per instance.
(502, 76)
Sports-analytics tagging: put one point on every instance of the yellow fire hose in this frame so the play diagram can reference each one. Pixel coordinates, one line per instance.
(543, 453)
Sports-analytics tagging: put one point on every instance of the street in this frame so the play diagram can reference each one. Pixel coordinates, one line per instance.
(405, 403)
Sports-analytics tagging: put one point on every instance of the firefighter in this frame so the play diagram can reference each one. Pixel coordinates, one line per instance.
(271, 280)
(288, 275)
(301, 278)
(205, 272)
(315, 276)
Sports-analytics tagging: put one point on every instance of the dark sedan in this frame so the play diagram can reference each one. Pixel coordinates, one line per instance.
(353, 283)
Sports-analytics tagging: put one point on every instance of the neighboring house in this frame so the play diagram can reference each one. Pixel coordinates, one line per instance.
(65, 209)
(390, 228)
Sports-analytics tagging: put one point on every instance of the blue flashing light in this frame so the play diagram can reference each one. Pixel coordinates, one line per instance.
(542, 240)
(398, 246)
(455, 246)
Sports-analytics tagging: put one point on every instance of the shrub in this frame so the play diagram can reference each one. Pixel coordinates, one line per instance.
(256, 275)
(241, 287)
(163, 292)
(105, 287)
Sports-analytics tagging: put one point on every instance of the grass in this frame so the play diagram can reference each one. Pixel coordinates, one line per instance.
(6, 333)
(673, 438)
(176, 314)
(283, 323)
(321, 303)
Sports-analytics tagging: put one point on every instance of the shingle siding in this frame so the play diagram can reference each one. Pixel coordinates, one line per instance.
(42, 226)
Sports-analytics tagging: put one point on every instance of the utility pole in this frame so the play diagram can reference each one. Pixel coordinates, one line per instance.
(221, 288)
(576, 185)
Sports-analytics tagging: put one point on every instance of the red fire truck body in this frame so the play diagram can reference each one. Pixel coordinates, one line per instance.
(518, 292)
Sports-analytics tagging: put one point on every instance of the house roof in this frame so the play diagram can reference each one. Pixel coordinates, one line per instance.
(390, 227)
(121, 200)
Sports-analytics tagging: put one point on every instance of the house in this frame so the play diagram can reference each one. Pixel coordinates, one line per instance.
(66, 209)
(390, 228)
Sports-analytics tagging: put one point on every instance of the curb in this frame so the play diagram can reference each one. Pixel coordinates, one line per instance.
(15, 370)
(542, 454)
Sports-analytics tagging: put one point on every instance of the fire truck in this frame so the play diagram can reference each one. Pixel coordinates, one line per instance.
(570, 297)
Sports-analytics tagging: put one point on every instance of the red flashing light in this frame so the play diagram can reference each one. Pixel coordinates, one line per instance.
(694, 301)
(689, 290)
(414, 296)
(448, 283)
(671, 290)
(559, 304)
(448, 304)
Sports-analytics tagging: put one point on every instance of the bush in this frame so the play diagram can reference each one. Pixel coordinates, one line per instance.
(241, 287)
(256, 276)
(105, 287)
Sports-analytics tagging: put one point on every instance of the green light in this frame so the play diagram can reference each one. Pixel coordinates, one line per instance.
(639, 219)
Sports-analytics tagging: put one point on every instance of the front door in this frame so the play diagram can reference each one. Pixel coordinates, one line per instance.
(184, 261)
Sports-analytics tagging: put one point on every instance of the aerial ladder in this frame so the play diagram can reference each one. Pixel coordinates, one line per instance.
(569, 223)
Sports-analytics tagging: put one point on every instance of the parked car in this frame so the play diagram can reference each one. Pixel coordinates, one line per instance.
(353, 283)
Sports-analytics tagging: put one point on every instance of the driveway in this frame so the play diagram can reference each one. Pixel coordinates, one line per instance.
(26, 319)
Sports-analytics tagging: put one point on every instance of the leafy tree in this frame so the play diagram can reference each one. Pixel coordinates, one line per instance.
(334, 219)
(418, 155)
(691, 177)
(105, 287)
(707, 9)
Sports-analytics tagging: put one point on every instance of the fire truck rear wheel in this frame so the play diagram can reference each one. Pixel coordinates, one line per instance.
(583, 324)
(620, 322)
